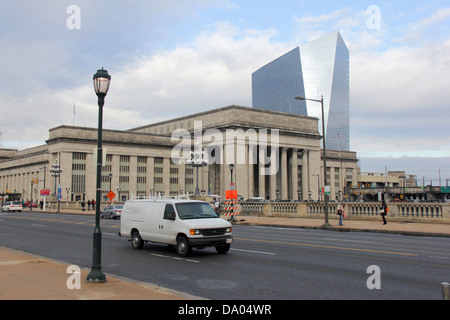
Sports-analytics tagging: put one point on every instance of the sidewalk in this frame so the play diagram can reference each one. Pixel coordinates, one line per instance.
(28, 277)
(25, 276)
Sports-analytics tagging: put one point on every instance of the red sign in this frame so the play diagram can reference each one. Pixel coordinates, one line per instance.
(45, 192)
(231, 194)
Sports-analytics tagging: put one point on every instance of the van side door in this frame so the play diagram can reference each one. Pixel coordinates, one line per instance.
(152, 221)
(168, 228)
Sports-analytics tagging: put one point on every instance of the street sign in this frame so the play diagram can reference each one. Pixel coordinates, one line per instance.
(327, 190)
(59, 187)
(445, 189)
(111, 195)
(45, 192)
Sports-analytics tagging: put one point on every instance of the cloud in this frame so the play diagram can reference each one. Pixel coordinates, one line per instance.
(415, 32)
(408, 100)
(213, 70)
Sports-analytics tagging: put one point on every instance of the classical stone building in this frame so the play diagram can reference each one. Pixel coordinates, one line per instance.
(275, 155)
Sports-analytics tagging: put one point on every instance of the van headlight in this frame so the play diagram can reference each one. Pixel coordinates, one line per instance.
(228, 230)
(195, 232)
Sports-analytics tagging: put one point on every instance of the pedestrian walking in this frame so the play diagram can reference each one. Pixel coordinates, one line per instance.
(341, 213)
(89, 204)
(217, 207)
(384, 211)
(82, 205)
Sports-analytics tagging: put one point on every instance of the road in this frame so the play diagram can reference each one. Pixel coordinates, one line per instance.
(263, 263)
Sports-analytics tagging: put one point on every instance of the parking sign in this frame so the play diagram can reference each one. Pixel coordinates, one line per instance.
(59, 187)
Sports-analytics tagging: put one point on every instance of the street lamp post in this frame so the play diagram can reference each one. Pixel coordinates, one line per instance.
(231, 174)
(56, 172)
(197, 160)
(327, 224)
(231, 166)
(101, 85)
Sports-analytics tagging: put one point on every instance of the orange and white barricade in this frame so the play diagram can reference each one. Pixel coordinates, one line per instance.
(231, 207)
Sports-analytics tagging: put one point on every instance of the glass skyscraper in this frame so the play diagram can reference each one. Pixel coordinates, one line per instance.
(317, 68)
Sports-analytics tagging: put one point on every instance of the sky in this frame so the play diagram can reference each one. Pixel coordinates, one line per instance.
(174, 58)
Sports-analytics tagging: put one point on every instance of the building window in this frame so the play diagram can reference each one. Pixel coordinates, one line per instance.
(189, 179)
(141, 188)
(78, 173)
(173, 179)
(124, 176)
(158, 174)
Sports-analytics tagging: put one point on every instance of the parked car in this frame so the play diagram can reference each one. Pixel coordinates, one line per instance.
(112, 211)
(12, 206)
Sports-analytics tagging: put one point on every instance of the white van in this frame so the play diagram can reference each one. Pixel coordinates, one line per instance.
(186, 224)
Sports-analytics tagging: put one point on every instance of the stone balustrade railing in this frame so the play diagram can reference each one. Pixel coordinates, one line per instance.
(432, 211)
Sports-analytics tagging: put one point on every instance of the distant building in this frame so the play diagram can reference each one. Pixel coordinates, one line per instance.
(315, 69)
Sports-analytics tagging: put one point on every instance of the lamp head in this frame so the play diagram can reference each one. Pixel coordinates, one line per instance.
(101, 82)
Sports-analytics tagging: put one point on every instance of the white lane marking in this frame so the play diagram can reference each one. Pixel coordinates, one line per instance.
(251, 251)
(174, 258)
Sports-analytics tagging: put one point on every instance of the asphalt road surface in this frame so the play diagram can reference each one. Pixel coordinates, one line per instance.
(263, 262)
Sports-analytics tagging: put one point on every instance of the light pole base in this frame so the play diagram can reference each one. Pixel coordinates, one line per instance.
(326, 226)
(96, 275)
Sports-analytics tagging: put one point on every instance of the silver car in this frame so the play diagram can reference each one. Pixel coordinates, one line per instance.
(12, 206)
(112, 211)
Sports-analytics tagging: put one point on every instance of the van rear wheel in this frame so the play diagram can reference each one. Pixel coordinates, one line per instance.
(183, 248)
(136, 240)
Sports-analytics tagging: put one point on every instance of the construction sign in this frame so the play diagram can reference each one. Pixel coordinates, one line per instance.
(111, 195)
(231, 194)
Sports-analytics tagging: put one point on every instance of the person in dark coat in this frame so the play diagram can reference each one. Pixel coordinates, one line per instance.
(384, 211)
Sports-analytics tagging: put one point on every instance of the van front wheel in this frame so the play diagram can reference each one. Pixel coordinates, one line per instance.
(136, 240)
(183, 247)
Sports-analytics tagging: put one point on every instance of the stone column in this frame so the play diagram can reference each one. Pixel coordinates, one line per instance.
(332, 183)
(133, 176)
(284, 177)
(294, 174)
(166, 176)
(306, 188)
(150, 175)
(182, 177)
(261, 173)
(251, 160)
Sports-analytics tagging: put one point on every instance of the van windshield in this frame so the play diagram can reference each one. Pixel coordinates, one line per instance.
(195, 210)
